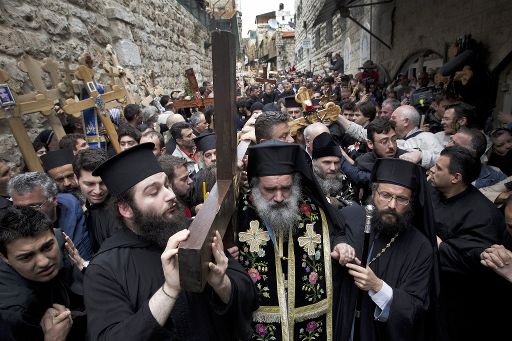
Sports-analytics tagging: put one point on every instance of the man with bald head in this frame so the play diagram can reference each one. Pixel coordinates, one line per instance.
(311, 132)
(423, 146)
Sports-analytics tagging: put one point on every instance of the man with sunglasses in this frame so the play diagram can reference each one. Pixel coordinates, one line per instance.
(39, 192)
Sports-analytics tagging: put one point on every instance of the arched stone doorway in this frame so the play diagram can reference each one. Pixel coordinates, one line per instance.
(419, 61)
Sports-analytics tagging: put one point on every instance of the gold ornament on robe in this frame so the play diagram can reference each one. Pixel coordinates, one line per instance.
(254, 236)
(310, 240)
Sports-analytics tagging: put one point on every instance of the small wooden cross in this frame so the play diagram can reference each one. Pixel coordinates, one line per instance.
(198, 101)
(96, 101)
(24, 105)
(34, 69)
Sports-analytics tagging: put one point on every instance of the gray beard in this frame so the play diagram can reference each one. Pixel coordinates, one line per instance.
(280, 217)
(331, 184)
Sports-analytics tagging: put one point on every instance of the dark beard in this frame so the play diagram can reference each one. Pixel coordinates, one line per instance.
(157, 229)
(75, 190)
(280, 217)
(390, 229)
(331, 184)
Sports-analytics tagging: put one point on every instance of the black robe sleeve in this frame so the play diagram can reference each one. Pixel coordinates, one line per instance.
(111, 316)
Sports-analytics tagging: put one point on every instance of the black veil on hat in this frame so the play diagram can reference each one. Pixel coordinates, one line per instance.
(324, 145)
(290, 102)
(57, 158)
(412, 176)
(205, 141)
(126, 169)
(280, 158)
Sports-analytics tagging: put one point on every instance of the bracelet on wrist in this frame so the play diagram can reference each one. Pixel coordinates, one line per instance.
(166, 294)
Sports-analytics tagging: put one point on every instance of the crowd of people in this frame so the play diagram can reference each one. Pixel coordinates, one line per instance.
(392, 221)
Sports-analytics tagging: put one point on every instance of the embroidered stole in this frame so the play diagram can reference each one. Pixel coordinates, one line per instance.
(303, 308)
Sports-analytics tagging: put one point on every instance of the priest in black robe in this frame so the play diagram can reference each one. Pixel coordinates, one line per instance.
(397, 288)
(132, 288)
(467, 223)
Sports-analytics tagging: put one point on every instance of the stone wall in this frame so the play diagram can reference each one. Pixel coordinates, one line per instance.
(345, 40)
(409, 26)
(158, 36)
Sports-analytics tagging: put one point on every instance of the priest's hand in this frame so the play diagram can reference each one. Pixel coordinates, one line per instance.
(413, 156)
(234, 252)
(343, 253)
(217, 277)
(499, 259)
(364, 278)
(170, 265)
(56, 323)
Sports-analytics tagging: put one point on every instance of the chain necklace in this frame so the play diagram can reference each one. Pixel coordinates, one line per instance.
(384, 248)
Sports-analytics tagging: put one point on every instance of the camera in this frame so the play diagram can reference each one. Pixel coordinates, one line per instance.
(422, 98)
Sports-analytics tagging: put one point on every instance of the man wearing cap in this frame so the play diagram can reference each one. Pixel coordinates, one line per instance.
(59, 166)
(293, 108)
(285, 232)
(132, 287)
(397, 283)
(327, 168)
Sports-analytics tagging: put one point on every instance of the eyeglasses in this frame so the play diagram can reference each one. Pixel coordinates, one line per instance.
(386, 141)
(34, 206)
(387, 197)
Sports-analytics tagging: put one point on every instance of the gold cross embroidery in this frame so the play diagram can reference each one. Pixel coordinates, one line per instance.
(309, 240)
(254, 237)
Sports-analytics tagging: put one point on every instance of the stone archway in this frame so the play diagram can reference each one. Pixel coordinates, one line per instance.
(423, 60)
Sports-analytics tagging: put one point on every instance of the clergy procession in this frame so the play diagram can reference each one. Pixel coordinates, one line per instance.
(289, 204)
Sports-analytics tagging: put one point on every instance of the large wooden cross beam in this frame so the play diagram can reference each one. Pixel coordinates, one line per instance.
(119, 75)
(218, 209)
(265, 78)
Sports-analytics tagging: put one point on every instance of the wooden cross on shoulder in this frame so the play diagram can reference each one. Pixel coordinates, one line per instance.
(218, 209)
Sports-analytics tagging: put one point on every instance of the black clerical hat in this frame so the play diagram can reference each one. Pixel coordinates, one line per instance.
(324, 145)
(57, 158)
(272, 158)
(280, 158)
(396, 171)
(290, 102)
(205, 142)
(126, 169)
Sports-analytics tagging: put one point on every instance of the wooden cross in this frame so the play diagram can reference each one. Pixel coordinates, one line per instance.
(34, 70)
(96, 101)
(119, 74)
(198, 101)
(24, 104)
(218, 209)
(265, 78)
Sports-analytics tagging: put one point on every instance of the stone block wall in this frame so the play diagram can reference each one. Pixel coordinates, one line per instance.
(158, 36)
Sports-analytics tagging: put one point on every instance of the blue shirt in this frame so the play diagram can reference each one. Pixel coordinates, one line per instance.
(71, 220)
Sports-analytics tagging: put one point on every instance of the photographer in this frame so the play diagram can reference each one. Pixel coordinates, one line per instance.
(422, 97)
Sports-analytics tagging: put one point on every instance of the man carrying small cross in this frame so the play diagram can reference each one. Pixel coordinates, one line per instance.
(286, 229)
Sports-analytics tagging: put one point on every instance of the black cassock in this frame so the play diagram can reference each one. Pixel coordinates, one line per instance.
(125, 274)
(406, 266)
(101, 223)
(471, 295)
